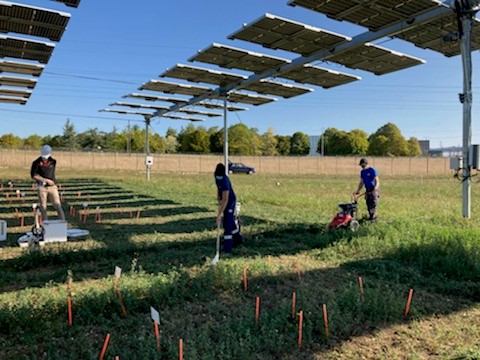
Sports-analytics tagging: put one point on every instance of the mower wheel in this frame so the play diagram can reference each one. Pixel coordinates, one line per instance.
(353, 225)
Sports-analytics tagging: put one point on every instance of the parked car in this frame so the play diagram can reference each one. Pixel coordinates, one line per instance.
(237, 168)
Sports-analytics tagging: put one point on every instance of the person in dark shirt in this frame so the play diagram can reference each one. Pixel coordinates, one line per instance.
(369, 178)
(43, 172)
(226, 207)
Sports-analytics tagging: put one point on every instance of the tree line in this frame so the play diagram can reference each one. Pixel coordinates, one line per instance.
(386, 141)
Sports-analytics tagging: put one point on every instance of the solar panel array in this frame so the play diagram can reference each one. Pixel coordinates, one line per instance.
(25, 21)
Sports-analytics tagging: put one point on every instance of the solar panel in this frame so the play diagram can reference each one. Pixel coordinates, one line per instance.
(196, 74)
(234, 58)
(148, 97)
(25, 49)
(275, 32)
(182, 118)
(21, 68)
(19, 82)
(315, 75)
(71, 3)
(254, 100)
(430, 35)
(127, 112)
(13, 100)
(139, 106)
(275, 88)
(198, 112)
(35, 21)
(373, 14)
(174, 88)
(376, 59)
(16, 93)
(220, 106)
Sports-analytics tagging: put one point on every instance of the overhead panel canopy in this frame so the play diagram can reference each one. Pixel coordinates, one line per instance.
(234, 58)
(128, 112)
(71, 3)
(376, 59)
(12, 100)
(198, 112)
(174, 88)
(139, 106)
(196, 74)
(21, 68)
(220, 106)
(149, 97)
(430, 35)
(17, 93)
(275, 88)
(175, 117)
(255, 100)
(373, 14)
(25, 49)
(275, 32)
(315, 75)
(30, 20)
(18, 82)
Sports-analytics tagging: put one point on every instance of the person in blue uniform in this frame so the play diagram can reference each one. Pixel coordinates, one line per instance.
(369, 178)
(226, 208)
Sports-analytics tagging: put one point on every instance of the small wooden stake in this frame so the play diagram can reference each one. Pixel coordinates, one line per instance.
(69, 306)
(299, 272)
(245, 281)
(325, 320)
(122, 305)
(105, 344)
(138, 214)
(300, 327)
(22, 221)
(294, 300)
(16, 213)
(79, 194)
(409, 301)
(131, 213)
(157, 334)
(257, 309)
(360, 284)
(180, 349)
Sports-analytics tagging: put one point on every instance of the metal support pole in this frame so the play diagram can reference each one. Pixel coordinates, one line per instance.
(225, 134)
(147, 146)
(465, 46)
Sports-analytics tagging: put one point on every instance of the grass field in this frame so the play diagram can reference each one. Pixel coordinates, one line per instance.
(420, 242)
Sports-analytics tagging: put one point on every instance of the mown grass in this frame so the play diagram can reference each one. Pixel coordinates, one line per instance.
(420, 241)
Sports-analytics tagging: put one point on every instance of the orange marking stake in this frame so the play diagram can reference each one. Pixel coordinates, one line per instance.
(180, 349)
(294, 300)
(138, 214)
(22, 221)
(360, 284)
(325, 320)
(131, 213)
(122, 305)
(257, 309)
(245, 281)
(79, 194)
(16, 213)
(157, 334)
(105, 344)
(409, 301)
(299, 272)
(69, 306)
(156, 320)
(300, 328)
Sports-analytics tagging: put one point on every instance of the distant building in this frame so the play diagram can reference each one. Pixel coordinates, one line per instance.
(424, 146)
(446, 152)
(314, 140)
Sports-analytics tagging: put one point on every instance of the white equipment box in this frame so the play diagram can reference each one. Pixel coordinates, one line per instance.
(3, 230)
(55, 231)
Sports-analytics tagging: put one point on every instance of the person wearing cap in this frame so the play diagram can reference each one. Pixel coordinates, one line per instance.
(369, 179)
(226, 207)
(43, 172)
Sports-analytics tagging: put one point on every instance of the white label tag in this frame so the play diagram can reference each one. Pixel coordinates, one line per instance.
(118, 271)
(155, 315)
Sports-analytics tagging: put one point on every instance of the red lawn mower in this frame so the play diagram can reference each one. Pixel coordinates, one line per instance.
(345, 218)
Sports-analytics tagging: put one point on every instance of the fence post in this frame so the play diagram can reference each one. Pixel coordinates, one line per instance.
(427, 165)
(391, 166)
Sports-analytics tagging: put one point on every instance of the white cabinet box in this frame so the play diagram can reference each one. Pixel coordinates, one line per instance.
(55, 231)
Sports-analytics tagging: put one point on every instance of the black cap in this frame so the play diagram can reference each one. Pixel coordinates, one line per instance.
(363, 161)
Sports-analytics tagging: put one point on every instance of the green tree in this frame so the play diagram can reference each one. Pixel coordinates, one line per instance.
(269, 143)
(10, 141)
(171, 132)
(69, 138)
(300, 145)
(395, 144)
(283, 144)
(33, 142)
(336, 142)
(200, 141)
(243, 141)
(358, 141)
(185, 138)
(171, 144)
(414, 147)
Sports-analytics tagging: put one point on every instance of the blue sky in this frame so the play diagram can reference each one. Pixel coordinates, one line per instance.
(111, 47)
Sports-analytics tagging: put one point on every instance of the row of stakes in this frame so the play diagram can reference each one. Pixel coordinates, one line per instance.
(155, 315)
